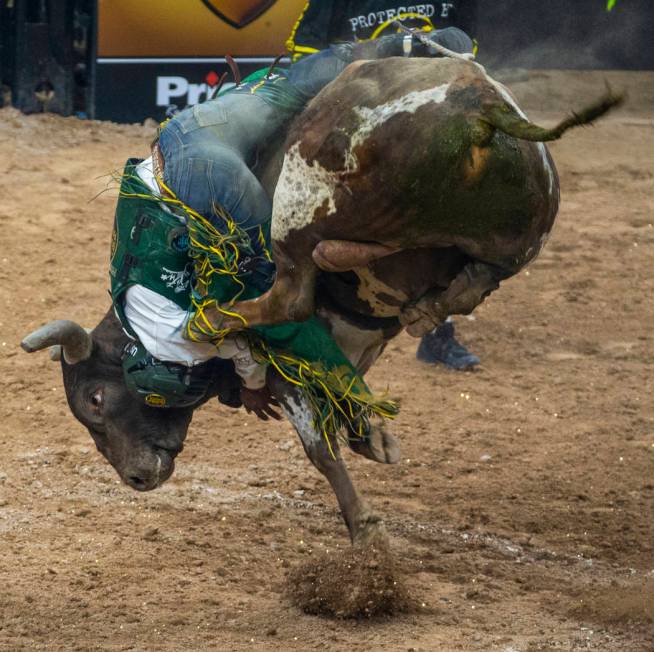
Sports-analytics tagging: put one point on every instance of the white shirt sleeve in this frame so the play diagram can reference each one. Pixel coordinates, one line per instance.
(159, 323)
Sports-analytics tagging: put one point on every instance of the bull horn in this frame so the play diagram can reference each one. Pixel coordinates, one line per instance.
(76, 343)
(55, 351)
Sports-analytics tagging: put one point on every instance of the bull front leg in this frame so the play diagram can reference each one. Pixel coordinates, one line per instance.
(292, 296)
(468, 289)
(362, 523)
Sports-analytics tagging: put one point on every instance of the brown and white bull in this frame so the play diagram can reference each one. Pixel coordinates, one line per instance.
(398, 155)
(407, 190)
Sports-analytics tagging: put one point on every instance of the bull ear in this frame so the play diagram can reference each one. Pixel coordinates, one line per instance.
(76, 344)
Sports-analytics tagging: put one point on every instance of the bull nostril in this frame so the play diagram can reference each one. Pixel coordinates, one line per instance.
(172, 450)
(136, 482)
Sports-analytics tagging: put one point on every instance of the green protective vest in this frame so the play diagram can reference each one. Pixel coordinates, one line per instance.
(149, 247)
(275, 89)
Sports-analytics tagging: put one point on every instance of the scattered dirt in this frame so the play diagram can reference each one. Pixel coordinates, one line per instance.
(361, 582)
(524, 487)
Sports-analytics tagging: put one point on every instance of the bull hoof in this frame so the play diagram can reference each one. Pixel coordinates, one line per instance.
(342, 255)
(422, 317)
(422, 327)
(379, 445)
(371, 532)
(361, 582)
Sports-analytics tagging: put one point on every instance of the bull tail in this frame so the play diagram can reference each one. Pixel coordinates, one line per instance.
(504, 118)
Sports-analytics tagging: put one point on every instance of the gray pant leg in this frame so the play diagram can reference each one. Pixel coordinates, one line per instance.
(312, 73)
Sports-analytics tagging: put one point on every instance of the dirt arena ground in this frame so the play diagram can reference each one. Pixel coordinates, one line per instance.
(522, 513)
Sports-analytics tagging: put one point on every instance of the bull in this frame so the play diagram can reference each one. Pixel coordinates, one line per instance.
(404, 193)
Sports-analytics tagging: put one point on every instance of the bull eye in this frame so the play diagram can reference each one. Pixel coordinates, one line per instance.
(97, 399)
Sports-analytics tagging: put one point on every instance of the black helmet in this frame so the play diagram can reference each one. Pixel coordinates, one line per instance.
(163, 384)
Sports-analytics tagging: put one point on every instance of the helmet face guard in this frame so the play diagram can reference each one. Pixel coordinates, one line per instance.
(162, 384)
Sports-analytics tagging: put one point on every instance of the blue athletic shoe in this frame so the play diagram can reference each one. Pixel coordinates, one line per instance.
(440, 346)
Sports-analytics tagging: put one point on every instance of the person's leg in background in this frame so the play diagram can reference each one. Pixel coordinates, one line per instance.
(441, 347)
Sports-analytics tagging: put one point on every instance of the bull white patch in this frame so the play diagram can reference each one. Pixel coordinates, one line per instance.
(548, 168)
(370, 119)
(507, 97)
(361, 347)
(369, 289)
(298, 411)
(301, 190)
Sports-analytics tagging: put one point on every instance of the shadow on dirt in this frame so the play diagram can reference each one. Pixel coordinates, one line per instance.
(618, 604)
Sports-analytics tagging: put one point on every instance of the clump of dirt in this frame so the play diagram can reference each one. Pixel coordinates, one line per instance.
(361, 582)
(619, 604)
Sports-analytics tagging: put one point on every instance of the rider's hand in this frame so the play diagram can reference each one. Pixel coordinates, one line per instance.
(260, 401)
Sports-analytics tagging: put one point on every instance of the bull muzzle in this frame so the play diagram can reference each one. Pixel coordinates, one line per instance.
(149, 473)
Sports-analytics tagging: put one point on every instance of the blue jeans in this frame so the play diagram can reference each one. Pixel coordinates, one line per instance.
(206, 150)
(209, 148)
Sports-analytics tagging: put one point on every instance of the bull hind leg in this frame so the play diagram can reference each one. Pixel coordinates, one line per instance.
(363, 524)
(467, 290)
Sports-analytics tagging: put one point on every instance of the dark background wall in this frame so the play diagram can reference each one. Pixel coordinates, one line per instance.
(51, 42)
(566, 34)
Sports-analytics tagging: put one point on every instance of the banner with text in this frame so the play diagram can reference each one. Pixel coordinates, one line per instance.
(156, 54)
